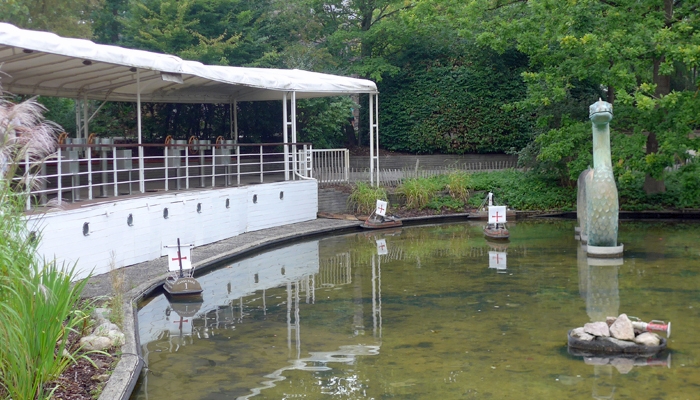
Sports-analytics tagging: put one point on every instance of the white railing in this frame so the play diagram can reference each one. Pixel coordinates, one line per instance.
(90, 171)
(331, 165)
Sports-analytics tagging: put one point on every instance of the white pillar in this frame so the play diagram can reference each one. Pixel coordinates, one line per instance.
(142, 183)
(285, 135)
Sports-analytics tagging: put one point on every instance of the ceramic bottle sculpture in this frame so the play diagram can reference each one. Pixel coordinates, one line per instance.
(601, 193)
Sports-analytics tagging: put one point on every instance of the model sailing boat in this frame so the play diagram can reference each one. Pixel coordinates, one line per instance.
(379, 220)
(496, 228)
(180, 280)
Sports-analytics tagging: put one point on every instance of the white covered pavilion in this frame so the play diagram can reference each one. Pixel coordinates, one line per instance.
(124, 231)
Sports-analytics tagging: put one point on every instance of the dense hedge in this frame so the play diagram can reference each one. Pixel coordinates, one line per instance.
(455, 106)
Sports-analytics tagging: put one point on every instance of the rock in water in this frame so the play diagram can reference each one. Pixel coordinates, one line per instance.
(647, 339)
(580, 334)
(622, 328)
(597, 329)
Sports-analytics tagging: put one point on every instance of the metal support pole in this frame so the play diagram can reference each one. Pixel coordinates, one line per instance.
(85, 117)
(294, 131)
(187, 167)
(59, 171)
(166, 162)
(142, 182)
(371, 139)
(285, 134)
(261, 164)
(88, 152)
(114, 170)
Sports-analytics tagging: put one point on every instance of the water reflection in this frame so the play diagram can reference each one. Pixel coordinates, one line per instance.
(599, 286)
(498, 258)
(232, 295)
(416, 313)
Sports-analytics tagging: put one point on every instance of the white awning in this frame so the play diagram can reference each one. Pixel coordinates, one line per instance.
(33, 62)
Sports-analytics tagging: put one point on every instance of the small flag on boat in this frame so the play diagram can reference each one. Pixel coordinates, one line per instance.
(497, 214)
(174, 257)
(381, 208)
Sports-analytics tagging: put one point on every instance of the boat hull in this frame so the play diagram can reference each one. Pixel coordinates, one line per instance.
(186, 286)
(387, 222)
(496, 233)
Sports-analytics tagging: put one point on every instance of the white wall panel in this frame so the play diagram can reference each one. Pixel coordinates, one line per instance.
(109, 233)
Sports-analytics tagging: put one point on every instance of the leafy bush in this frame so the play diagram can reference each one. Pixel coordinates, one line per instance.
(364, 197)
(524, 190)
(440, 202)
(455, 106)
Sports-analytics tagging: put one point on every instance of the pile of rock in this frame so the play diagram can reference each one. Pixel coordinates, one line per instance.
(618, 330)
(105, 335)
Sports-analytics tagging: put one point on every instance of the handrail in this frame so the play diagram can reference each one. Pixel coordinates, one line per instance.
(81, 171)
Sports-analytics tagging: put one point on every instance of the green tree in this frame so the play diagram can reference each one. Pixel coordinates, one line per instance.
(63, 17)
(639, 54)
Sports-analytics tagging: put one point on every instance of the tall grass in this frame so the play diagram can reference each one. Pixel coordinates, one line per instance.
(458, 185)
(38, 303)
(419, 192)
(363, 198)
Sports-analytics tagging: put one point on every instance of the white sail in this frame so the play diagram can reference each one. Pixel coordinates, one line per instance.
(497, 214)
(381, 208)
(174, 259)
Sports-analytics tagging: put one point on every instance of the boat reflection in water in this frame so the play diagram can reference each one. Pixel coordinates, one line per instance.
(237, 297)
(498, 258)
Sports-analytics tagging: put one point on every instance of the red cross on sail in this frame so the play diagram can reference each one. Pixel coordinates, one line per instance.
(381, 208)
(174, 257)
(497, 214)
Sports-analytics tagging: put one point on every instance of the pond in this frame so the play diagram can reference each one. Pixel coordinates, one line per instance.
(431, 312)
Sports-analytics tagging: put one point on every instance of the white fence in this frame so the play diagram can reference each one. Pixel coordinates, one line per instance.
(91, 171)
(333, 166)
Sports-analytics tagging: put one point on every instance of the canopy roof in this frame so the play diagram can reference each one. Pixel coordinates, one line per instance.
(33, 62)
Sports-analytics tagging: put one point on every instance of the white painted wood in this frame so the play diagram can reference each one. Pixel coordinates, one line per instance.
(112, 241)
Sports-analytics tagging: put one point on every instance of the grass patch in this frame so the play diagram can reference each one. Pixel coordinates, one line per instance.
(363, 198)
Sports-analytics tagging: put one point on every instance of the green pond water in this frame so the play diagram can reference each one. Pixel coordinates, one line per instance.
(432, 312)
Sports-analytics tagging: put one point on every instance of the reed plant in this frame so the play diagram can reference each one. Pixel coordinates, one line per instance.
(363, 198)
(458, 185)
(419, 191)
(117, 278)
(39, 304)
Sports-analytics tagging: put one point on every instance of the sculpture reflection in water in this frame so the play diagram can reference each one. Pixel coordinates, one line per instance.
(598, 285)
(236, 295)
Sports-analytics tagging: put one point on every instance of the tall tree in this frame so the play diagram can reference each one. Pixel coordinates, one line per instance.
(63, 17)
(636, 52)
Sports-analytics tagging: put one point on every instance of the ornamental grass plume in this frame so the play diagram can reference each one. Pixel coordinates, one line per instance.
(26, 139)
(39, 302)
